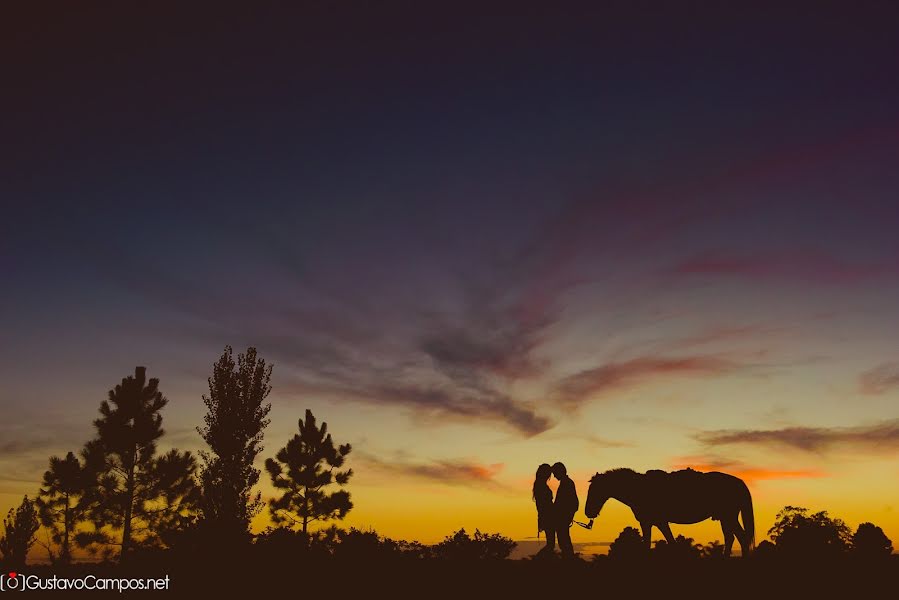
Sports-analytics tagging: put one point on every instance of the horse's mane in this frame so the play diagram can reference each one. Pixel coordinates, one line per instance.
(625, 472)
(620, 471)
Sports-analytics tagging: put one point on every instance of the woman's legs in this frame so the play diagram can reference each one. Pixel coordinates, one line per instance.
(550, 540)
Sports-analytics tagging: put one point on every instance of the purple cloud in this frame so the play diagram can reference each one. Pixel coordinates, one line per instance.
(572, 391)
(878, 438)
(880, 379)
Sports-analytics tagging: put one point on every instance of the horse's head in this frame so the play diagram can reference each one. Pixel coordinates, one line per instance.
(597, 495)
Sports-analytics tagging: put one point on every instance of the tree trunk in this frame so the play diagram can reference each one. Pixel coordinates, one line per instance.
(66, 517)
(306, 517)
(129, 504)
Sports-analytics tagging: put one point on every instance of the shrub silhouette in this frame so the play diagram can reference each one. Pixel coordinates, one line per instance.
(869, 541)
(629, 545)
(19, 528)
(358, 545)
(713, 549)
(764, 551)
(799, 534)
(461, 546)
(683, 548)
(286, 545)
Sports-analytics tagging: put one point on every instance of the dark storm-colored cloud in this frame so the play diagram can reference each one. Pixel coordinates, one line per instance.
(449, 472)
(574, 390)
(878, 438)
(880, 379)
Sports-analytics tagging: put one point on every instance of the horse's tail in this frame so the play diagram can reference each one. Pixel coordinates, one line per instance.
(748, 517)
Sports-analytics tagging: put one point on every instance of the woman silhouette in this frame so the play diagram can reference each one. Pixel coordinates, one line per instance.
(543, 498)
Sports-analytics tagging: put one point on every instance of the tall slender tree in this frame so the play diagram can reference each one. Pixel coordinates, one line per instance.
(64, 501)
(305, 469)
(19, 528)
(234, 423)
(132, 497)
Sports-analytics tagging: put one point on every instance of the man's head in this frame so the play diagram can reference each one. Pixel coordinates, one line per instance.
(560, 471)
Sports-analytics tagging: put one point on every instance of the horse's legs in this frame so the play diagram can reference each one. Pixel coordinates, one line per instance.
(666, 531)
(742, 537)
(727, 528)
(647, 534)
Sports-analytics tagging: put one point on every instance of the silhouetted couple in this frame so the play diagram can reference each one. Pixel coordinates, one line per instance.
(554, 517)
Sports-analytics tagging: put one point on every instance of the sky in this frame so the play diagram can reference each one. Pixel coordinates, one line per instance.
(472, 240)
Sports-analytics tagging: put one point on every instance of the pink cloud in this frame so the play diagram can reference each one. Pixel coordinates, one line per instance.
(880, 379)
(576, 389)
(800, 267)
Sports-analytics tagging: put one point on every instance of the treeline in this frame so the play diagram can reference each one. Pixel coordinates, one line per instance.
(369, 545)
(797, 534)
(119, 494)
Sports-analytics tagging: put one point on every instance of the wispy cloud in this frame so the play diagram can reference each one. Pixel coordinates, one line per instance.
(596, 441)
(574, 390)
(880, 379)
(878, 438)
(798, 267)
(728, 334)
(459, 404)
(506, 351)
(589, 439)
(749, 473)
(448, 472)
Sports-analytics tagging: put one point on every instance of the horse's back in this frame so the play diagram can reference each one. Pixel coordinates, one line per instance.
(725, 480)
(690, 496)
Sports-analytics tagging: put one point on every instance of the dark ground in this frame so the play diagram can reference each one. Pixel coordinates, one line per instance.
(557, 579)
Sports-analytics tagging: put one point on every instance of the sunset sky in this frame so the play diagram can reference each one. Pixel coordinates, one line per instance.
(471, 242)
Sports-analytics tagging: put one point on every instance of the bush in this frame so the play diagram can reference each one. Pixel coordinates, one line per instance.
(683, 548)
(800, 534)
(869, 541)
(628, 545)
(483, 546)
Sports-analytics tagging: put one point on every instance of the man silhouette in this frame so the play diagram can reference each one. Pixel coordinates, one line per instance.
(564, 508)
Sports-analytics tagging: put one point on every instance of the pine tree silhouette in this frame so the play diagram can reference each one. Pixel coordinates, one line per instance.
(304, 469)
(19, 528)
(173, 497)
(236, 417)
(64, 501)
(135, 492)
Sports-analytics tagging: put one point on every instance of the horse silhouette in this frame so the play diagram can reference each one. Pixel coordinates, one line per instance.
(659, 498)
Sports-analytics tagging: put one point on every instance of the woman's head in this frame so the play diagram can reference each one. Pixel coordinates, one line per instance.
(543, 472)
